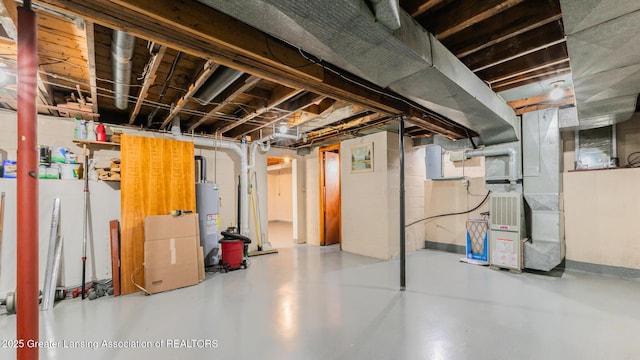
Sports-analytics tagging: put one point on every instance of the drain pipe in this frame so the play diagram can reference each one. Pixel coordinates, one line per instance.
(498, 151)
(241, 151)
(265, 144)
(27, 313)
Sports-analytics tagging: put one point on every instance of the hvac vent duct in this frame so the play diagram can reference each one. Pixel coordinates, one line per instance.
(122, 48)
(409, 60)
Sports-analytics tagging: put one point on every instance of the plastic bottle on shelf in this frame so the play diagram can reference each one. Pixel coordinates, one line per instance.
(76, 130)
(101, 133)
(82, 133)
(91, 131)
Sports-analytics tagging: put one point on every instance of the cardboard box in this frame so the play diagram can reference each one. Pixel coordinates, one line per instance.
(171, 248)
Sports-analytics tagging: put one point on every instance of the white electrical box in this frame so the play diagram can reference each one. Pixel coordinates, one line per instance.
(506, 229)
(456, 156)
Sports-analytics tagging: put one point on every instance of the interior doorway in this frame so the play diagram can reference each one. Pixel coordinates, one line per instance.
(281, 198)
(330, 204)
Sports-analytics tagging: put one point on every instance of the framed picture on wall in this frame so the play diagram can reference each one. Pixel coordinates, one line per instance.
(362, 158)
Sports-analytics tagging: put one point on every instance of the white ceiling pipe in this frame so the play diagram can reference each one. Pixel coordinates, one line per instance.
(241, 150)
(265, 145)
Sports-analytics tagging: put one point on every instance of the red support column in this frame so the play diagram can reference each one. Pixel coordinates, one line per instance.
(27, 293)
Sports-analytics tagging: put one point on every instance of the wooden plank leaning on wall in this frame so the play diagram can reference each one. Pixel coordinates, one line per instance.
(157, 176)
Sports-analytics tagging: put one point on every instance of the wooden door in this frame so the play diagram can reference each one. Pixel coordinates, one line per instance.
(331, 195)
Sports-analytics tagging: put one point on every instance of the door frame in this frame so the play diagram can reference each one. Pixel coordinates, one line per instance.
(321, 151)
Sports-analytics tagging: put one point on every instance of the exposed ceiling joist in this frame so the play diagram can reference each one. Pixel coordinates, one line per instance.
(550, 56)
(149, 79)
(315, 135)
(516, 104)
(91, 63)
(547, 72)
(290, 108)
(242, 85)
(208, 69)
(199, 30)
(8, 19)
(529, 42)
(564, 102)
(452, 19)
(280, 95)
(513, 22)
(419, 7)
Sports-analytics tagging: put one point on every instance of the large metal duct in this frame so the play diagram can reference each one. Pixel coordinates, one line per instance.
(409, 60)
(219, 80)
(122, 48)
(388, 13)
(542, 184)
(603, 40)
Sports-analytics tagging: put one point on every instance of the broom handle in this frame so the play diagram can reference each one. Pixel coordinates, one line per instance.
(85, 220)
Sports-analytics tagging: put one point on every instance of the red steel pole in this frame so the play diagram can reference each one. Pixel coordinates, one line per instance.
(27, 293)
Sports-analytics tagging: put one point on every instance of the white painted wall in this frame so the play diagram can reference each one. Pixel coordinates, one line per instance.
(104, 197)
(450, 196)
(415, 170)
(365, 200)
(601, 217)
(104, 206)
(371, 200)
(280, 193)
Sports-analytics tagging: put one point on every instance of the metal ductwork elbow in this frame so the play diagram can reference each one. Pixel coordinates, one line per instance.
(122, 48)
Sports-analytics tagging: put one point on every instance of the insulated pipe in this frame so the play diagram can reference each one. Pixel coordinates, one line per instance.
(498, 151)
(203, 167)
(27, 312)
(122, 48)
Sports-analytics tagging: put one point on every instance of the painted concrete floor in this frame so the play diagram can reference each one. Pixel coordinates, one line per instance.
(281, 234)
(309, 302)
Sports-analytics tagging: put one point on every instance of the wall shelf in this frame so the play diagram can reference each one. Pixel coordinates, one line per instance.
(91, 142)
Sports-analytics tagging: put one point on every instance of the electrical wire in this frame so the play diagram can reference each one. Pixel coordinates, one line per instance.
(451, 214)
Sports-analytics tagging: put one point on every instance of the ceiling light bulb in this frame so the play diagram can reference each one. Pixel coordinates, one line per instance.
(283, 128)
(556, 93)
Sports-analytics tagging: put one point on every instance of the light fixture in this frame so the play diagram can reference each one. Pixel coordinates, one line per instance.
(557, 92)
(286, 160)
(283, 128)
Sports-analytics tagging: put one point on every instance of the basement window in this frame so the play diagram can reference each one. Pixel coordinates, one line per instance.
(596, 148)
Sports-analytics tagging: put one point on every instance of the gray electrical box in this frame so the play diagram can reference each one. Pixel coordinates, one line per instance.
(433, 162)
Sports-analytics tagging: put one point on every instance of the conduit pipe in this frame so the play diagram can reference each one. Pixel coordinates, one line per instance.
(498, 151)
(27, 312)
(240, 150)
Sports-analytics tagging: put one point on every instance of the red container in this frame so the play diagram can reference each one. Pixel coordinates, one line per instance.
(232, 254)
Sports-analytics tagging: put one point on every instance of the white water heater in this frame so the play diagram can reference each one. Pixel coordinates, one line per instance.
(208, 207)
(506, 230)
